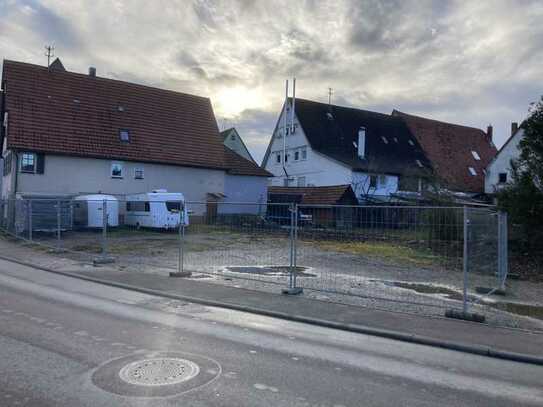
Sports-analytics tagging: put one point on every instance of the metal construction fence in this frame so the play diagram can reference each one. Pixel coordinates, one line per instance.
(406, 258)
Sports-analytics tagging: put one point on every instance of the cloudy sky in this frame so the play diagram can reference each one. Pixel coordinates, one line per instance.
(469, 62)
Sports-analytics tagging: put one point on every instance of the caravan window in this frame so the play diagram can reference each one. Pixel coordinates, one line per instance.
(173, 206)
(137, 206)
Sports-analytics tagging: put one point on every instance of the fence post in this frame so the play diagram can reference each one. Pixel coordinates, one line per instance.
(465, 262)
(292, 289)
(59, 224)
(30, 227)
(503, 263)
(104, 229)
(181, 237)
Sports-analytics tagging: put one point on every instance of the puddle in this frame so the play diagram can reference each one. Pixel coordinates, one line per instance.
(269, 270)
(533, 311)
(526, 310)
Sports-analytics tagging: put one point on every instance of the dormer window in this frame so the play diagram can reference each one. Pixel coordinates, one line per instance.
(472, 171)
(475, 155)
(124, 135)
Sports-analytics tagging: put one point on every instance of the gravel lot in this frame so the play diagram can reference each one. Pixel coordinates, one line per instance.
(386, 274)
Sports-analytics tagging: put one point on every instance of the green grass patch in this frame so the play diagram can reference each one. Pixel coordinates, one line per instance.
(388, 252)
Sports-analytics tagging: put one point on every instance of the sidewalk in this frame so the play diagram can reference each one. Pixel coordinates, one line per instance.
(469, 337)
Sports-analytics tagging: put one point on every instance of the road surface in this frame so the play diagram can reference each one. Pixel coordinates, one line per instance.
(68, 342)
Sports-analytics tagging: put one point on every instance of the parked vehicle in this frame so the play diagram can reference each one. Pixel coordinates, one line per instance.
(88, 211)
(156, 209)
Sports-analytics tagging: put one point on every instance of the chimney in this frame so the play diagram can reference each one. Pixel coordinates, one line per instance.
(92, 71)
(489, 132)
(514, 127)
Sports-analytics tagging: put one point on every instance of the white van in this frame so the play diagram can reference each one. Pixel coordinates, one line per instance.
(157, 209)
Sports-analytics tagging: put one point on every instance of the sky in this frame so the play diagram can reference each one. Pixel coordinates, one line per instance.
(467, 62)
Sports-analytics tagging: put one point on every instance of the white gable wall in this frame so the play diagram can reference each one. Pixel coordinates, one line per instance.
(502, 163)
(316, 168)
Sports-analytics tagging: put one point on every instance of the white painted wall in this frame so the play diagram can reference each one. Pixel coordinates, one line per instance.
(74, 175)
(317, 169)
(247, 189)
(502, 163)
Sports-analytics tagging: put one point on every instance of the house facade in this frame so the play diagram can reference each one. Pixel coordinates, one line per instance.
(66, 134)
(234, 142)
(459, 154)
(328, 145)
(498, 171)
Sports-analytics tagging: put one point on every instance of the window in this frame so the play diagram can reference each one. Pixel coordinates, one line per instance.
(28, 163)
(173, 206)
(286, 158)
(384, 139)
(233, 137)
(373, 181)
(396, 140)
(137, 206)
(124, 135)
(410, 142)
(382, 181)
(138, 173)
(304, 153)
(419, 163)
(502, 177)
(116, 170)
(285, 182)
(7, 163)
(296, 155)
(472, 171)
(475, 155)
(278, 158)
(301, 181)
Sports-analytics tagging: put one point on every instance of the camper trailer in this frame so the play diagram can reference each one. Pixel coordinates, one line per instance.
(157, 209)
(88, 211)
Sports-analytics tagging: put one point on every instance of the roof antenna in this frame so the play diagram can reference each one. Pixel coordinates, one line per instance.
(50, 53)
(330, 91)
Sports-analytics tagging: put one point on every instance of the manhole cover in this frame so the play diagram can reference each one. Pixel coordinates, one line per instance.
(159, 371)
(156, 374)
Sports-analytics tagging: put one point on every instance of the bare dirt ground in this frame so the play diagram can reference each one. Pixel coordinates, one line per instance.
(401, 277)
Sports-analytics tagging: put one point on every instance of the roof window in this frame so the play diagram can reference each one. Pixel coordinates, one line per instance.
(410, 142)
(124, 135)
(329, 116)
(419, 163)
(475, 155)
(396, 140)
(384, 139)
(472, 171)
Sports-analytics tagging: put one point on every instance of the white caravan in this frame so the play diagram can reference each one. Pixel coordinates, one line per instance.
(88, 210)
(156, 209)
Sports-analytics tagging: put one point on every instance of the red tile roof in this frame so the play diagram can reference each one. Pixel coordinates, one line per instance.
(326, 195)
(239, 165)
(449, 148)
(63, 112)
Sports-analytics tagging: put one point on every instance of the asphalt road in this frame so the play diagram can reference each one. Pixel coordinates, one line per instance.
(64, 342)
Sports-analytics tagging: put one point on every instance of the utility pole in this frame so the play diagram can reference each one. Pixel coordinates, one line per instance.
(49, 53)
(330, 91)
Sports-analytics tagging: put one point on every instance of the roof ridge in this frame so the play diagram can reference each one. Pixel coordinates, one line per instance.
(436, 121)
(102, 78)
(343, 107)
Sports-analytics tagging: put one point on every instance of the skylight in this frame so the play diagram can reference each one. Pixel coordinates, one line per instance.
(396, 140)
(475, 155)
(472, 171)
(384, 139)
(410, 142)
(419, 163)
